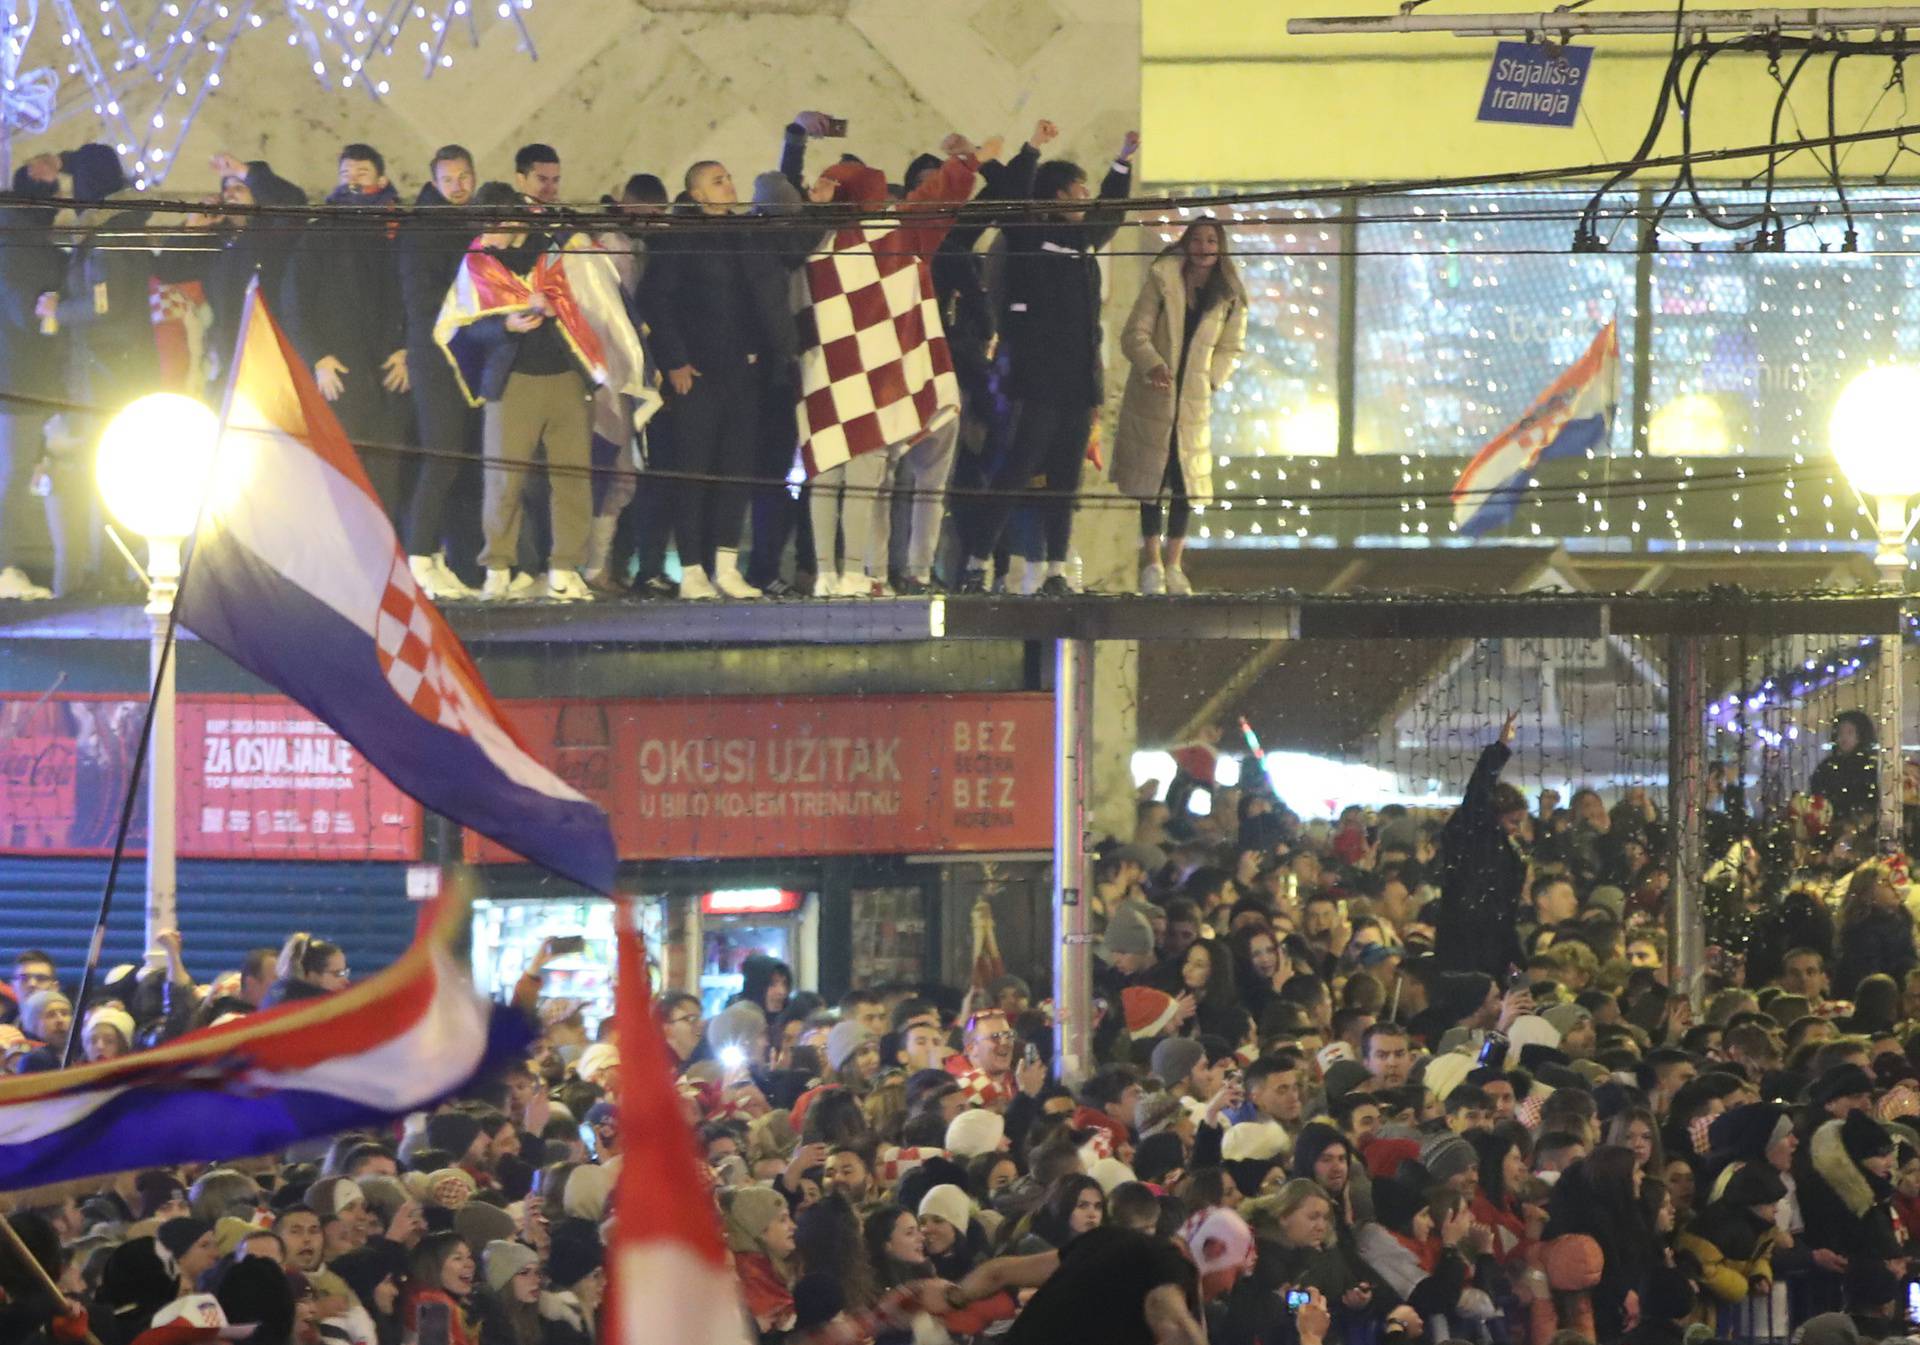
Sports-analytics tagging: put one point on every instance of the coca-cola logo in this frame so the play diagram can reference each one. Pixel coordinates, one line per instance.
(38, 767)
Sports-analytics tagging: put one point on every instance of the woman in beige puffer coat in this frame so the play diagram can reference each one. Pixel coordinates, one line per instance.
(1183, 340)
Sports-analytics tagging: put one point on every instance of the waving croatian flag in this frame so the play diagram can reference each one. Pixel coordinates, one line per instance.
(1571, 418)
(398, 1042)
(298, 577)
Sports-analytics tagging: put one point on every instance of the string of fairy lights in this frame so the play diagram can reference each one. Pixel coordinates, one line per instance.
(1464, 309)
(148, 74)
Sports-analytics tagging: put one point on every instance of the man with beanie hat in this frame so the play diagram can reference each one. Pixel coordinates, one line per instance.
(458, 1134)
(1451, 1161)
(576, 1266)
(1175, 1061)
(186, 1250)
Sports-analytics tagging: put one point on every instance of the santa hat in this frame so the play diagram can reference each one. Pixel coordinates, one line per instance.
(1149, 1012)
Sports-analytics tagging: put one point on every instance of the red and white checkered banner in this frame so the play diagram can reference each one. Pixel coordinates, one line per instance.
(874, 364)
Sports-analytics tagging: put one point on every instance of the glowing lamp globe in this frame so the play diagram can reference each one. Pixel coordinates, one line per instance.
(1873, 432)
(154, 463)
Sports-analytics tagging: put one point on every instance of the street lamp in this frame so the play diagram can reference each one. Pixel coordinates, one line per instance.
(153, 467)
(1874, 438)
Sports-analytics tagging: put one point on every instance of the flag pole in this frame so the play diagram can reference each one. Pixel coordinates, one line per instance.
(162, 676)
(32, 1263)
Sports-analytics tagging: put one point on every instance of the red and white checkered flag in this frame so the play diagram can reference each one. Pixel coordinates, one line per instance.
(874, 364)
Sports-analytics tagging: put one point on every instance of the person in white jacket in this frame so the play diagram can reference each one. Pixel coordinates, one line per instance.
(1182, 341)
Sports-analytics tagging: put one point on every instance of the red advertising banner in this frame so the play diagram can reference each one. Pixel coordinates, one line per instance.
(746, 777)
(257, 777)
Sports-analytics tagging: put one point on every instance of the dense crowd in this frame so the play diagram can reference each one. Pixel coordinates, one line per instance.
(446, 336)
(1377, 1077)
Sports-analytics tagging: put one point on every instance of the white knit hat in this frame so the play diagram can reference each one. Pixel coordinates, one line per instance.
(1111, 1172)
(950, 1203)
(975, 1132)
(1259, 1140)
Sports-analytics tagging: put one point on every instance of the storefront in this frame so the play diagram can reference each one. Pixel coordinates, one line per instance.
(822, 830)
(814, 829)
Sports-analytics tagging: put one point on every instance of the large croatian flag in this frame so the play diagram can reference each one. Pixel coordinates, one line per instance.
(397, 1042)
(1569, 419)
(298, 576)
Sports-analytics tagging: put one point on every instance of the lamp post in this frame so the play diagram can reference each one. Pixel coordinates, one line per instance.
(1874, 440)
(153, 466)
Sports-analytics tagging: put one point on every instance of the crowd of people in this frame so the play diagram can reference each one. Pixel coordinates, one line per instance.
(539, 427)
(1375, 1077)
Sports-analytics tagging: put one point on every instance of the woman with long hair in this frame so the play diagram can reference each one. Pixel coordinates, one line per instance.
(1876, 930)
(1635, 1130)
(760, 1233)
(308, 968)
(1496, 1204)
(510, 1301)
(1206, 973)
(1256, 967)
(1849, 777)
(1183, 341)
(1600, 1197)
(442, 1270)
(377, 1274)
(828, 1240)
(1073, 1205)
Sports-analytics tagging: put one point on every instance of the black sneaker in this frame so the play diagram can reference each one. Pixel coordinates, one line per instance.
(778, 588)
(655, 586)
(972, 582)
(906, 587)
(1054, 587)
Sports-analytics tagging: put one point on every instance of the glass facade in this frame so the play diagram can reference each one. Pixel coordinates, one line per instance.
(1391, 338)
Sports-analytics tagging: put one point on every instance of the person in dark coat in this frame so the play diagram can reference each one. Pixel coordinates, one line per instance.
(1050, 339)
(1849, 778)
(1844, 1184)
(708, 298)
(1484, 871)
(104, 310)
(342, 307)
(30, 266)
(1597, 1197)
(1876, 930)
(449, 429)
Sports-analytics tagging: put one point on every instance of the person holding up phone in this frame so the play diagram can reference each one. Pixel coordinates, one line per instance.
(1486, 870)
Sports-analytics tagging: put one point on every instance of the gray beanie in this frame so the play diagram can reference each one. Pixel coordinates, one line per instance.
(1447, 1155)
(1174, 1059)
(845, 1041)
(1565, 1017)
(735, 1025)
(1127, 932)
(773, 194)
(505, 1259)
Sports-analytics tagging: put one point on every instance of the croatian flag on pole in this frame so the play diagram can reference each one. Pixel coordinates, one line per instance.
(667, 1273)
(297, 575)
(1572, 418)
(400, 1041)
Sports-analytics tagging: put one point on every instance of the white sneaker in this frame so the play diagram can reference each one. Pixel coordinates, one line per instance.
(524, 586)
(855, 584)
(15, 584)
(695, 586)
(826, 584)
(728, 579)
(448, 584)
(1178, 584)
(567, 586)
(1153, 581)
(435, 579)
(498, 586)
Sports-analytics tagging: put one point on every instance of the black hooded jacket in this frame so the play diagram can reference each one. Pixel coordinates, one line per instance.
(1483, 878)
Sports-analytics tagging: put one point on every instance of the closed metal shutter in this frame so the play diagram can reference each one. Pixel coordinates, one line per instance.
(226, 908)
